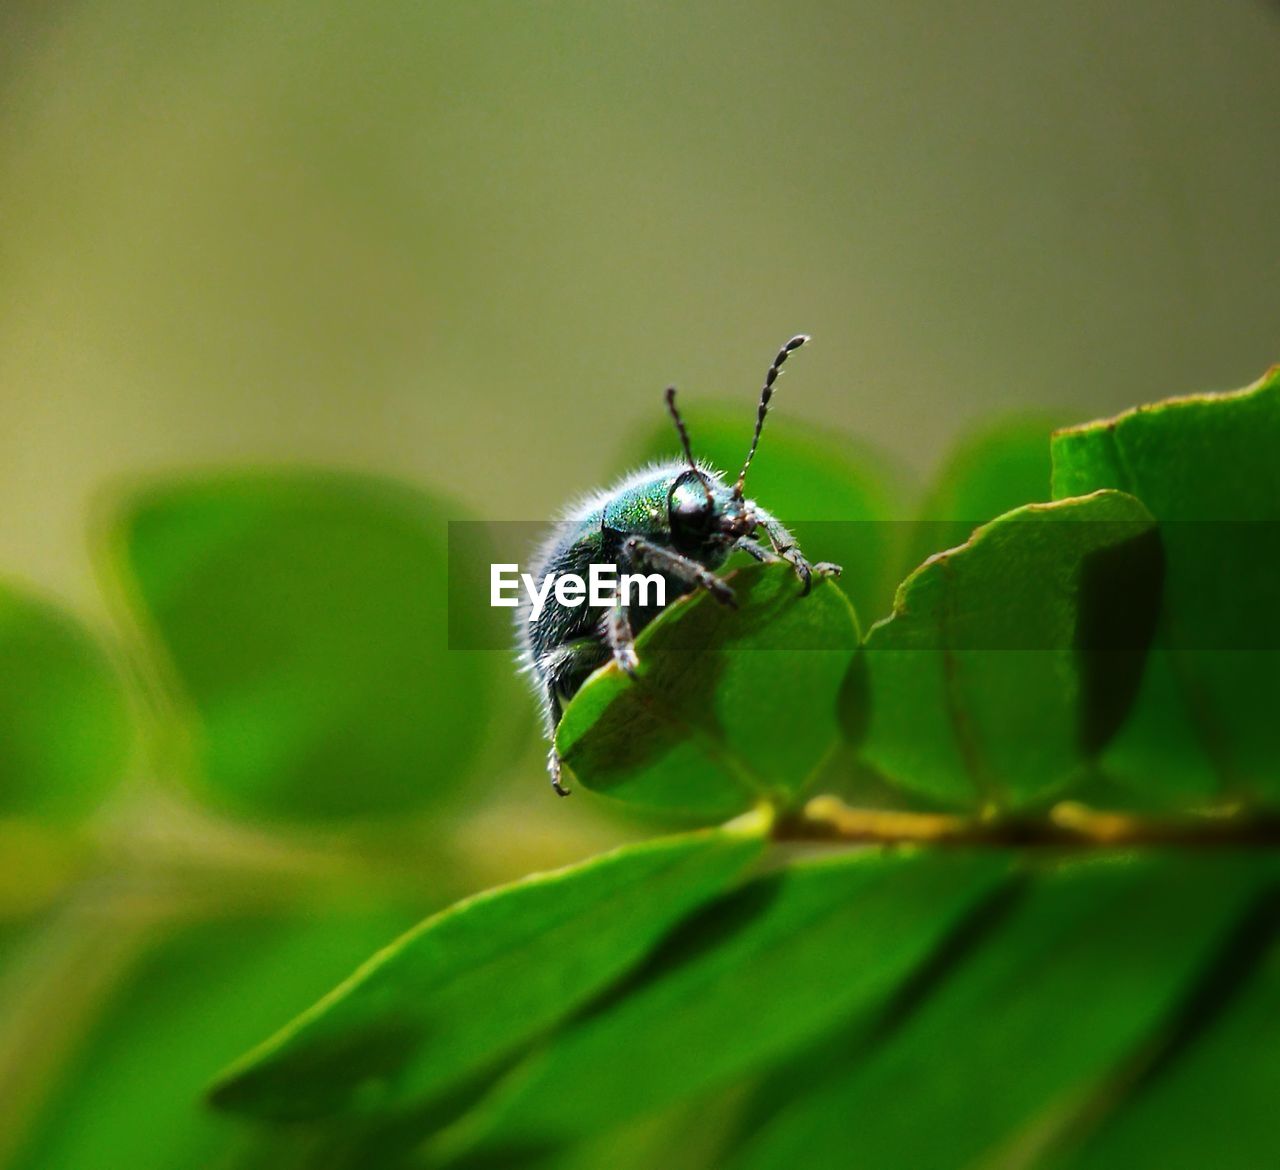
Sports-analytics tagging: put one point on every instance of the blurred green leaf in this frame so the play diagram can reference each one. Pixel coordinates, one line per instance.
(1205, 1096)
(690, 1135)
(755, 975)
(130, 1095)
(840, 498)
(994, 470)
(1015, 1039)
(1206, 468)
(65, 724)
(304, 616)
(467, 988)
(1010, 660)
(728, 708)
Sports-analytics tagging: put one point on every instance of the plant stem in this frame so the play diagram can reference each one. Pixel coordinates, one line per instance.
(1069, 825)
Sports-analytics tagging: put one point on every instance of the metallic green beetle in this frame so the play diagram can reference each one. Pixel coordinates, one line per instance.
(678, 519)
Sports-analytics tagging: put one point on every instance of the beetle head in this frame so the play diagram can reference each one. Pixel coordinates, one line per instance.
(701, 507)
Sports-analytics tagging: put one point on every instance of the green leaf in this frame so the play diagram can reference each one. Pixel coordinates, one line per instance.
(469, 987)
(65, 724)
(1206, 468)
(756, 975)
(304, 617)
(1007, 1046)
(728, 708)
(1206, 1095)
(994, 470)
(840, 498)
(1011, 659)
(129, 1094)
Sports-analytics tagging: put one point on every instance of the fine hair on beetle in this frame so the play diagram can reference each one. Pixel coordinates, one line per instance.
(676, 518)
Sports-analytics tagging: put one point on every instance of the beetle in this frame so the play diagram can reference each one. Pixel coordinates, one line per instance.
(677, 518)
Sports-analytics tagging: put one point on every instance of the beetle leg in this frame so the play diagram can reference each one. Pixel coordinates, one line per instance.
(756, 549)
(552, 711)
(640, 551)
(560, 670)
(784, 544)
(553, 768)
(564, 670)
(622, 641)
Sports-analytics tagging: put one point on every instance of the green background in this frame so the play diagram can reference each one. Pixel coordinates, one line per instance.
(468, 244)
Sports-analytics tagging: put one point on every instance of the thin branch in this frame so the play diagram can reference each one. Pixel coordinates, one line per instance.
(1066, 825)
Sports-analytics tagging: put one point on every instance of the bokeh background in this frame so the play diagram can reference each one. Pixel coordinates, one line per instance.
(465, 247)
(469, 244)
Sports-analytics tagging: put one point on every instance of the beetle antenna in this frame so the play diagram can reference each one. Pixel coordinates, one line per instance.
(684, 441)
(763, 409)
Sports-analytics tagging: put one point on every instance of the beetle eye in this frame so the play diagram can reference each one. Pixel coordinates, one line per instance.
(690, 503)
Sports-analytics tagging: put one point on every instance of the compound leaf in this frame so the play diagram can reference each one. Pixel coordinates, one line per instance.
(1205, 1094)
(757, 974)
(729, 707)
(1011, 659)
(1020, 1038)
(1206, 468)
(468, 987)
(304, 618)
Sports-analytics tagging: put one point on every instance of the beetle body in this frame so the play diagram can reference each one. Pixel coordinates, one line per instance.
(677, 519)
